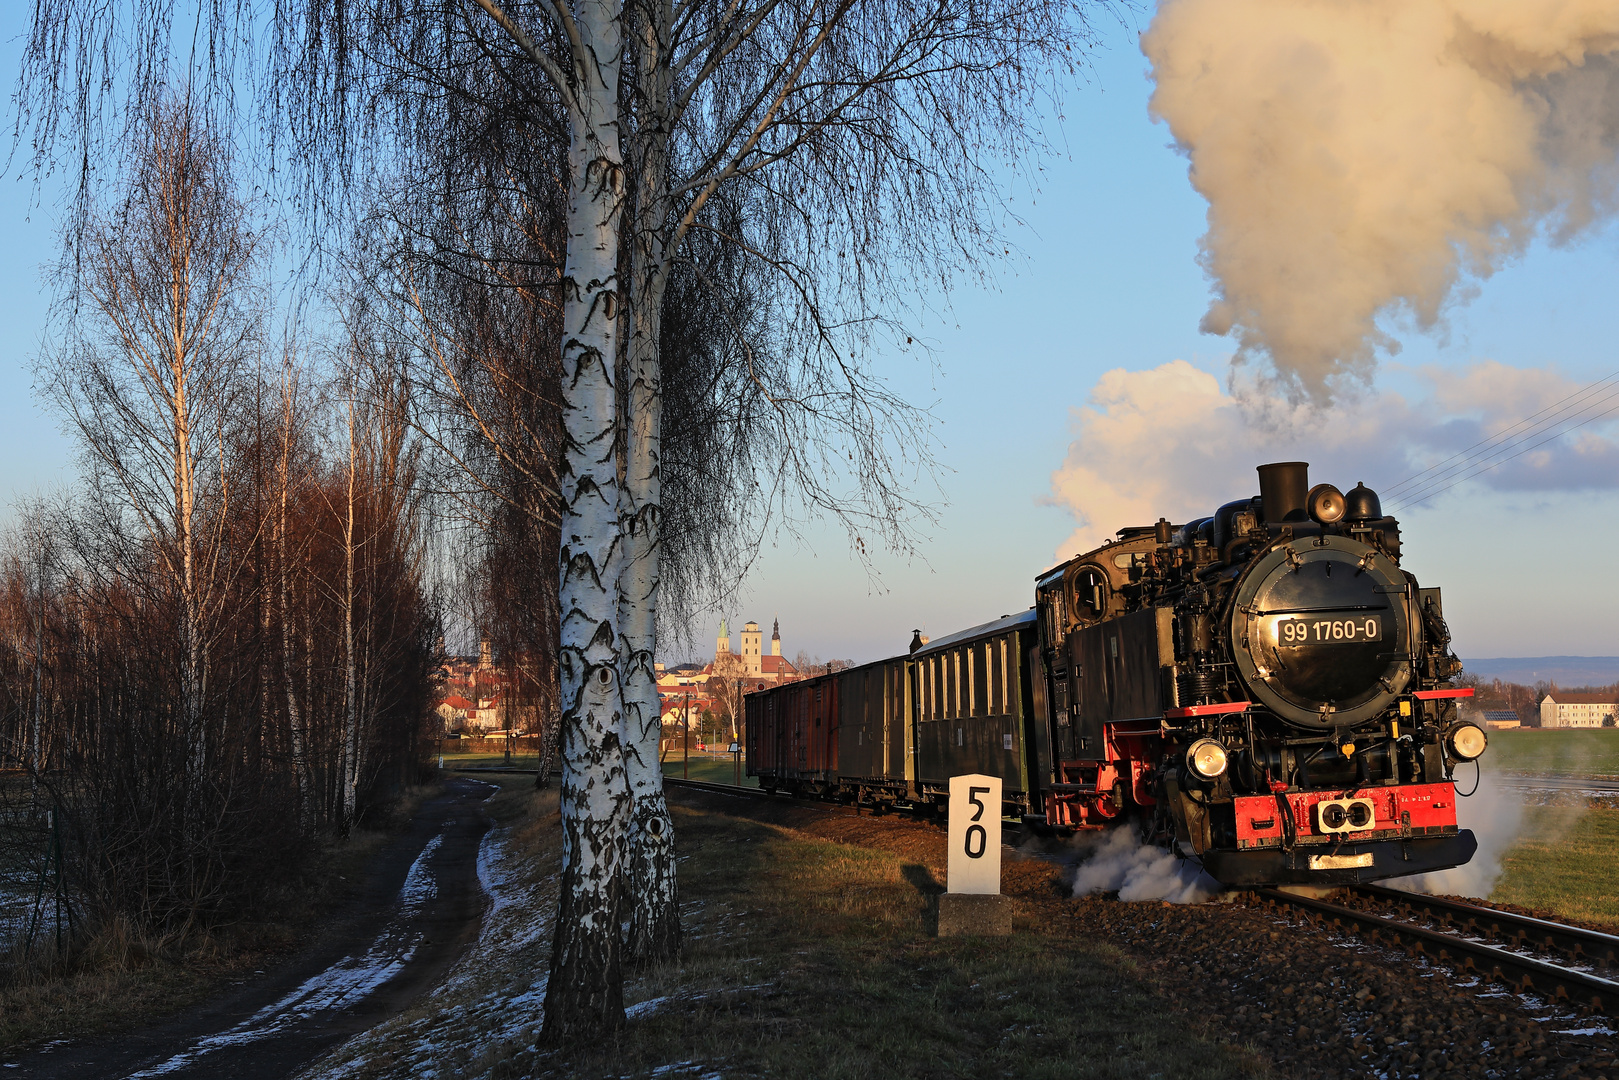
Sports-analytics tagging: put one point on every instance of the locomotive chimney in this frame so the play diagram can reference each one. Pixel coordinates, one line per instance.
(1283, 489)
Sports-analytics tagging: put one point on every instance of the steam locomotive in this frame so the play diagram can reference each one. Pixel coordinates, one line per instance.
(1263, 690)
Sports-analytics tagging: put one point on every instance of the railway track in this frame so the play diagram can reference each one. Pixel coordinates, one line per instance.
(1457, 941)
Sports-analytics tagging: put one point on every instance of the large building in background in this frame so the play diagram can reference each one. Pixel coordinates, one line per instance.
(1566, 709)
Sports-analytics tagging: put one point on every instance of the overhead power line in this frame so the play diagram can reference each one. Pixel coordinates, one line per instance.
(1576, 410)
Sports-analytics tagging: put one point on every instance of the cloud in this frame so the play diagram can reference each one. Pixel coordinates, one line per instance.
(1369, 160)
(1172, 442)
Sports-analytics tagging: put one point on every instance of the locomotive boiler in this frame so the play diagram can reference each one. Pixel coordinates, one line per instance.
(1264, 690)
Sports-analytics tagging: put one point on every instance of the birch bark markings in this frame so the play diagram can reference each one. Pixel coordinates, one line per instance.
(585, 994)
(655, 911)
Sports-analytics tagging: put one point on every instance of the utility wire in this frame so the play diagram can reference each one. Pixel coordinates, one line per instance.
(1585, 406)
(1591, 412)
(1506, 434)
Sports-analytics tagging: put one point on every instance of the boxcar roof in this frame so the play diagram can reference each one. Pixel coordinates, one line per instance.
(1000, 626)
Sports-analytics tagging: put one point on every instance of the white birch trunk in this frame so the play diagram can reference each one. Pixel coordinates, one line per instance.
(655, 912)
(585, 994)
(351, 704)
(185, 508)
(295, 719)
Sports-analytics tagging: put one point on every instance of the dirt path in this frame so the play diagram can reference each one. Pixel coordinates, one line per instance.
(419, 909)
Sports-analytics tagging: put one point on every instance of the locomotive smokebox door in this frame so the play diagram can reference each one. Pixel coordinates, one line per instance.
(1322, 631)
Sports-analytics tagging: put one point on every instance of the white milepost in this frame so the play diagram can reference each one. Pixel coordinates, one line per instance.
(975, 835)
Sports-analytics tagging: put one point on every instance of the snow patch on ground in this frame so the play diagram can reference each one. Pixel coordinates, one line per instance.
(338, 987)
(490, 1002)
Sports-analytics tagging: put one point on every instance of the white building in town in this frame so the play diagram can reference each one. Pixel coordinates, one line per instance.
(1569, 710)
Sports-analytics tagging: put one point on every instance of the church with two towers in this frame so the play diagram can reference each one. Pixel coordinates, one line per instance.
(752, 664)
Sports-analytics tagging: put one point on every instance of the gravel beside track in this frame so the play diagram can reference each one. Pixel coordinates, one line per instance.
(1496, 963)
(1316, 1001)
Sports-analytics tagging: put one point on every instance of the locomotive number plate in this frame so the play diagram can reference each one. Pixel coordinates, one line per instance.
(1308, 631)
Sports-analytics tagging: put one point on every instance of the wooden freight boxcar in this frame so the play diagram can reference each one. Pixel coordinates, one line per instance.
(896, 730)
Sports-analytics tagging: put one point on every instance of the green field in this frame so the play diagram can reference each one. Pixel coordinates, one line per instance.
(471, 753)
(717, 769)
(1556, 752)
(1567, 863)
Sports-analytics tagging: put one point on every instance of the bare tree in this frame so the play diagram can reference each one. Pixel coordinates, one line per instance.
(148, 381)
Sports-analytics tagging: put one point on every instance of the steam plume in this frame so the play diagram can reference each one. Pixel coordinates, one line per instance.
(1141, 872)
(1496, 816)
(1365, 159)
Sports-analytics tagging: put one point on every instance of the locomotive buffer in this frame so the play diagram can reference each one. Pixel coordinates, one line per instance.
(973, 903)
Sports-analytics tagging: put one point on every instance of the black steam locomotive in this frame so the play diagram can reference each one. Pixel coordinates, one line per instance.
(1264, 690)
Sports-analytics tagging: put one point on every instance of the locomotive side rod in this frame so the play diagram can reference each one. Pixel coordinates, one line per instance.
(1574, 942)
(1487, 961)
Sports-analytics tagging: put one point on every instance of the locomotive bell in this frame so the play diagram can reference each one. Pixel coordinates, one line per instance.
(1362, 504)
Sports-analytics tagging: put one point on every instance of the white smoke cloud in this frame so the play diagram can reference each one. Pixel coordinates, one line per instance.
(1120, 862)
(1172, 442)
(1371, 159)
(1496, 815)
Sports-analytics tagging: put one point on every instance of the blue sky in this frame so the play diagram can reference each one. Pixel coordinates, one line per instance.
(1108, 280)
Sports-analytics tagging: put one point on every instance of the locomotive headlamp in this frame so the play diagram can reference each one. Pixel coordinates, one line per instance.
(1206, 758)
(1466, 741)
(1325, 503)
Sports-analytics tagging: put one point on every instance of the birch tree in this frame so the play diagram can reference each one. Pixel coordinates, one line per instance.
(148, 381)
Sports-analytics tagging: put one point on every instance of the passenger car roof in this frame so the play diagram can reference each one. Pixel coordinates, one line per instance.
(1000, 626)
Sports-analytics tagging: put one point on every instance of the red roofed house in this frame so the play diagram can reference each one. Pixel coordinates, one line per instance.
(454, 709)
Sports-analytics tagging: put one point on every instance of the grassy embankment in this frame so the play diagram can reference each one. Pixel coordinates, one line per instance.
(117, 978)
(713, 769)
(1567, 863)
(1556, 751)
(809, 954)
(488, 753)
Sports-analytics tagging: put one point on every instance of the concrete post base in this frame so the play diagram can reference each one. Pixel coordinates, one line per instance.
(961, 914)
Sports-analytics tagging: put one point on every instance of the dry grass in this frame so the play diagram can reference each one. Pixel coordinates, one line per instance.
(116, 977)
(1567, 865)
(809, 954)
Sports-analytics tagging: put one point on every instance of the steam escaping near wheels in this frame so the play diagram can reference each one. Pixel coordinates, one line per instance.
(1116, 861)
(1495, 813)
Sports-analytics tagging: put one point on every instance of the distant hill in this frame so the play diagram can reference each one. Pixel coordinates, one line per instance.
(1562, 670)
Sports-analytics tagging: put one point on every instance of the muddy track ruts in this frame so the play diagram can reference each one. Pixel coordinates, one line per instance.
(420, 906)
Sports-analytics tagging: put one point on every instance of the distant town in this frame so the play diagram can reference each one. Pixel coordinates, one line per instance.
(476, 698)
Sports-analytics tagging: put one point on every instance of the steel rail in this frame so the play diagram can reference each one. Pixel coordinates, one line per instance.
(1574, 942)
(724, 789)
(1487, 961)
